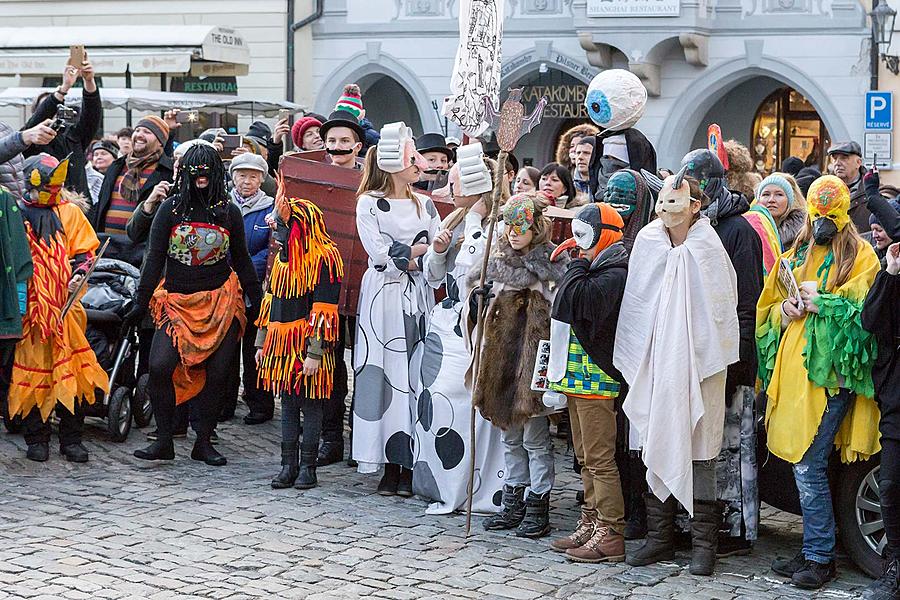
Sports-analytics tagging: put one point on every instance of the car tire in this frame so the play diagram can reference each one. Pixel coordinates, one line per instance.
(858, 514)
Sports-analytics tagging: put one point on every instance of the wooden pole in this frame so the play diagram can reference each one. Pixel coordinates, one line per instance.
(499, 173)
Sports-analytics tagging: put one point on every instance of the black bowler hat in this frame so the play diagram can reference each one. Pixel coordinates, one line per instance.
(433, 142)
(342, 118)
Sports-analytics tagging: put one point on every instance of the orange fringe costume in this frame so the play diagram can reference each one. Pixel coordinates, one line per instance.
(197, 324)
(301, 304)
(53, 360)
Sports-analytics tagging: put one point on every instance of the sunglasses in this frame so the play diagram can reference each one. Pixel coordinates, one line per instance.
(198, 170)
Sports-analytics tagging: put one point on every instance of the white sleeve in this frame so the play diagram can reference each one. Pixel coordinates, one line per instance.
(386, 256)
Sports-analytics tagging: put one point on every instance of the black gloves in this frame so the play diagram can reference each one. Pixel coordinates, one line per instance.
(485, 292)
(132, 319)
(872, 182)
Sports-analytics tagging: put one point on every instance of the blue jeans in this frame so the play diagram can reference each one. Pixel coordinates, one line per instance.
(812, 483)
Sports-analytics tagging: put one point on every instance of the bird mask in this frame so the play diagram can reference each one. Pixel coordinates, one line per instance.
(828, 203)
(596, 227)
(45, 175)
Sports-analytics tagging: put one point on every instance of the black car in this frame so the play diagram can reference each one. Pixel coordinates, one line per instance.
(854, 493)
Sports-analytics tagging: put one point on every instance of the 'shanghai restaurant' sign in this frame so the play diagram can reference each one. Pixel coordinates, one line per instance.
(633, 8)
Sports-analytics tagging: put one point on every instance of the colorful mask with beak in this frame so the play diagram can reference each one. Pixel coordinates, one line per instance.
(828, 203)
(596, 227)
(518, 213)
(673, 205)
(397, 149)
(47, 175)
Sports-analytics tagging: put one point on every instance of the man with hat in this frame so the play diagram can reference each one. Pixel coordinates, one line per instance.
(129, 180)
(433, 147)
(846, 164)
(103, 153)
(247, 173)
(343, 137)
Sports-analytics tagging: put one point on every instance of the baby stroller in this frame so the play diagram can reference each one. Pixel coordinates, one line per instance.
(110, 291)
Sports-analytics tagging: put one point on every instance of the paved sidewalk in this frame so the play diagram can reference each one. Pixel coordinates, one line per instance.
(118, 527)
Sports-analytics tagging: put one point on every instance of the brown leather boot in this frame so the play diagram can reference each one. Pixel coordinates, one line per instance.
(583, 532)
(604, 546)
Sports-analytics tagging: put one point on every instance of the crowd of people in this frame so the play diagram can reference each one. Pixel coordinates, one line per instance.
(752, 293)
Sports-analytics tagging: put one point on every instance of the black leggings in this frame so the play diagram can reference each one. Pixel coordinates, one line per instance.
(311, 408)
(164, 359)
(889, 486)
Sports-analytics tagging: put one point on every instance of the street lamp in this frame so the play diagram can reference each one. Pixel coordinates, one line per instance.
(883, 17)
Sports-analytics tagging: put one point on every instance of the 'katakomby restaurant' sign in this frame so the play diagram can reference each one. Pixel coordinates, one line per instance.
(633, 8)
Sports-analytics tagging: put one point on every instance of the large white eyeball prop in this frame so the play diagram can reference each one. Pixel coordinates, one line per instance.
(616, 99)
(474, 177)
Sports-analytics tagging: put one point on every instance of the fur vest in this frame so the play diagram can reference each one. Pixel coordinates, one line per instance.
(516, 320)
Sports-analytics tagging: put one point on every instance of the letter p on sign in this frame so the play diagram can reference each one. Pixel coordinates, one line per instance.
(879, 111)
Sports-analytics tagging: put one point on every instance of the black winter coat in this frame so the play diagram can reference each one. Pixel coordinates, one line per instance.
(744, 248)
(589, 298)
(72, 140)
(120, 247)
(880, 317)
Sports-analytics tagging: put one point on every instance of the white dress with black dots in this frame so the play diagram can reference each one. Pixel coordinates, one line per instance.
(444, 409)
(392, 315)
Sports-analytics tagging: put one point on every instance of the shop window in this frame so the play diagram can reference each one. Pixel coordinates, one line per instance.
(787, 124)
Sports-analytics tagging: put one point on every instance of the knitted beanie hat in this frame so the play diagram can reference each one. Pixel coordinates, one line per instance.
(781, 182)
(351, 100)
(299, 128)
(156, 125)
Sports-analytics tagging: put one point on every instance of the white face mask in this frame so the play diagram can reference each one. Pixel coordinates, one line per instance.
(673, 207)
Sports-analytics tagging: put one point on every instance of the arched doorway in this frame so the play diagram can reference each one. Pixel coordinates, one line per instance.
(565, 108)
(386, 101)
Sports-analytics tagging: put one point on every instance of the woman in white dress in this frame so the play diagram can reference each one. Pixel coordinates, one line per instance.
(396, 227)
(442, 445)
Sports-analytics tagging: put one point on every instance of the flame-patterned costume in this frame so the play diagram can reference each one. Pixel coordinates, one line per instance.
(299, 312)
(54, 362)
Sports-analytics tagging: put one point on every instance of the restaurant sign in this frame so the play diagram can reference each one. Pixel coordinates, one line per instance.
(633, 8)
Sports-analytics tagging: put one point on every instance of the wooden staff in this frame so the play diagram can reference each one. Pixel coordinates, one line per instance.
(74, 295)
(499, 172)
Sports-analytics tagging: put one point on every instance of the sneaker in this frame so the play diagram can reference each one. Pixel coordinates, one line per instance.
(814, 575)
(886, 587)
(786, 567)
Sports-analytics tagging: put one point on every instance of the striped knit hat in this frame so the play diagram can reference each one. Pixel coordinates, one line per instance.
(350, 100)
(158, 127)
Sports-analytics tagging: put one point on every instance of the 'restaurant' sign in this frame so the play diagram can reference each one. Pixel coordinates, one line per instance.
(633, 8)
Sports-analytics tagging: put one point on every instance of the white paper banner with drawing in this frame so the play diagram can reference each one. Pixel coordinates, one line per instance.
(476, 73)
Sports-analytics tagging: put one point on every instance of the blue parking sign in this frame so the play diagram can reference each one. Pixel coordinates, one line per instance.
(879, 110)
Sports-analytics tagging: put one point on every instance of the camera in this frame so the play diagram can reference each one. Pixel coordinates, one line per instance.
(65, 117)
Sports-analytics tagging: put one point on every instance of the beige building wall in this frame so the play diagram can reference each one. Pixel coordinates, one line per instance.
(263, 23)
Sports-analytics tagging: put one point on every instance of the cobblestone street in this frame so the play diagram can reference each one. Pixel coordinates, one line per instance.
(120, 528)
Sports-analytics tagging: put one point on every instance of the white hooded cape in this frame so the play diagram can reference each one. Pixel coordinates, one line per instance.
(677, 334)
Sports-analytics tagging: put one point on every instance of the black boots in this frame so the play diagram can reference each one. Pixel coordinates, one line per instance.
(38, 452)
(204, 451)
(513, 511)
(404, 483)
(306, 479)
(537, 516)
(74, 452)
(158, 450)
(330, 453)
(389, 480)
(886, 587)
(289, 466)
(660, 544)
(705, 536)
(636, 523)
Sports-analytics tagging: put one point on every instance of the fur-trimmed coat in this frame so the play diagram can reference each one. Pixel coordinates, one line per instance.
(790, 226)
(516, 319)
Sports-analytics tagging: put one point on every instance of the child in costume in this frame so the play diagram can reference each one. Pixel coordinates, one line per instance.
(396, 227)
(816, 365)
(441, 472)
(677, 333)
(521, 280)
(197, 238)
(880, 317)
(582, 337)
(298, 331)
(54, 366)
